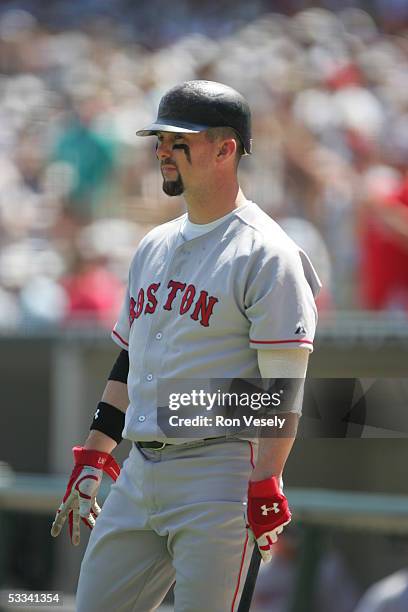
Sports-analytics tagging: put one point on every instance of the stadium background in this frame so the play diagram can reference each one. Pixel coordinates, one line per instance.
(328, 86)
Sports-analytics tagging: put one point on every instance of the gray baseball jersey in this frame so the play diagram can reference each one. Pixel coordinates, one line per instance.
(201, 308)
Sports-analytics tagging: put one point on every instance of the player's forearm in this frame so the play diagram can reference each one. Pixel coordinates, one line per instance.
(97, 440)
(273, 453)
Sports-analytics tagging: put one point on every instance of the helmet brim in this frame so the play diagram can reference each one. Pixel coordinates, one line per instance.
(175, 127)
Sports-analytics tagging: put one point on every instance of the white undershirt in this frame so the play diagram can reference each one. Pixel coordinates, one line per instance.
(191, 230)
(283, 363)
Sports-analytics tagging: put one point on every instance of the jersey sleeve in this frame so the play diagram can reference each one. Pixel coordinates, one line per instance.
(280, 301)
(121, 329)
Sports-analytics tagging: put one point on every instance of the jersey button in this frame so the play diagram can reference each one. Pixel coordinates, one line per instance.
(159, 336)
(142, 418)
(149, 377)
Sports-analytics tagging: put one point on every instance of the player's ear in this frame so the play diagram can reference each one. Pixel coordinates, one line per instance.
(226, 150)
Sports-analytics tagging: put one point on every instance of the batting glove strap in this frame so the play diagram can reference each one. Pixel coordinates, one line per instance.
(97, 459)
(268, 508)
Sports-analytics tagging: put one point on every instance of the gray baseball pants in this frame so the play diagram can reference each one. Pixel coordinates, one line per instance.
(175, 515)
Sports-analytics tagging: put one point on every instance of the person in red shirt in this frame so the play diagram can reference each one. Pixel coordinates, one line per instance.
(93, 293)
(384, 249)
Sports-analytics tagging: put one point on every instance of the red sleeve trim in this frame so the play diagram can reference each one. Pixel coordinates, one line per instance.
(115, 333)
(280, 341)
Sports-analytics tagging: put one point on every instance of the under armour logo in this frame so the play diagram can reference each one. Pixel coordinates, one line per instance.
(96, 414)
(300, 330)
(265, 510)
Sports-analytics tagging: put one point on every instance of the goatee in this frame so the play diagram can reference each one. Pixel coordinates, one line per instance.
(173, 188)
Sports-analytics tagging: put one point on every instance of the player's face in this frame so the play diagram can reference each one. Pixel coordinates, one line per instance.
(184, 158)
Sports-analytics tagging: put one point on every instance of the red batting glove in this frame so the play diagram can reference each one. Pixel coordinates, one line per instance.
(79, 501)
(268, 513)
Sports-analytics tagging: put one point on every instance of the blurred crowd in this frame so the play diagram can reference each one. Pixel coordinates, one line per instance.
(78, 190)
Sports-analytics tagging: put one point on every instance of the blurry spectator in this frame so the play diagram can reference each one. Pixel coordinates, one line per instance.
(309, 239)
(334, 589)
(93, 291)
(43, 302)
(384, 242)
(31, 296)
(387, 595)
(90, 157)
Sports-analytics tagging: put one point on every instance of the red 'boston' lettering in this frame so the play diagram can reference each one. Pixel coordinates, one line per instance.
(174, 286)
(204, 308)
(140, 302)
(132, 313)
(152, 300)
(187, 299)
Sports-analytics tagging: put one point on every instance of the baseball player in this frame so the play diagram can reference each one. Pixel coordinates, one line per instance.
(220, 292)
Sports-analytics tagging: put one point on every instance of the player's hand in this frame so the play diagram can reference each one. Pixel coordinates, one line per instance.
(267, 514)
(79, 502)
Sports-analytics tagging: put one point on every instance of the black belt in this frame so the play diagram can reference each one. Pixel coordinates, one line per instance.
(155, 445)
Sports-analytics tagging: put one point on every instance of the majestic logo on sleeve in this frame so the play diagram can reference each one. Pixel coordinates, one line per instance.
(180, 297)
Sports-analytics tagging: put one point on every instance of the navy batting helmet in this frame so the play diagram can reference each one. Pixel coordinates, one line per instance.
(196, 106)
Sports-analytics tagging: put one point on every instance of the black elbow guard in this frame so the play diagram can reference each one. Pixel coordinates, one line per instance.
(120, 368)
(109, 420)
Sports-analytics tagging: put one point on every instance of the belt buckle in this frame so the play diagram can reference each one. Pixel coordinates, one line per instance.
(159, 448)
